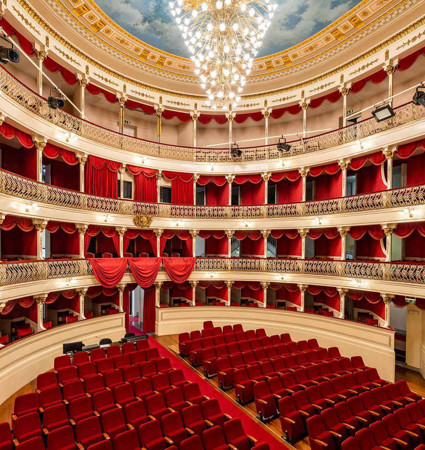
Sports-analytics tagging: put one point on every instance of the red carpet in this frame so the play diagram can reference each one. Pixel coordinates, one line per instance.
(250, 426)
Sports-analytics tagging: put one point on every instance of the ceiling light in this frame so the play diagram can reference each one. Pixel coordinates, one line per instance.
(8, 54)
(282, 146)
(235, 151)
(382, 113)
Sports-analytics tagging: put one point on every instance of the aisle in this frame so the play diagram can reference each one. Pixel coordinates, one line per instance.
(250, 425)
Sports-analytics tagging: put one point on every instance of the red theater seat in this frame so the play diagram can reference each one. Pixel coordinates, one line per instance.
(172, 427)
(155, 405)
(124, 394)
(50, 396)
(61, 439)
(143, 388)
(214, 439)
(80, 408)
(192, 443)
(61, 362)
(94, 384)
(46, 380)
(264, 401)
(25, 404)
(151, 437)
(174, 399)
(193, 419)
(127, 440)
(319, 436)
(104, 401)
(54, 418)
(5, 437)
(89, 432)
(27, 427)
(135, 413)
(73, 390)
(80, 358)
(243, 386)
(192, 394)
(113, 422)
(236, 435)
(212, 412)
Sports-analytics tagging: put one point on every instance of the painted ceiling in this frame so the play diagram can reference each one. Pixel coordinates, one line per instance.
(294, 22)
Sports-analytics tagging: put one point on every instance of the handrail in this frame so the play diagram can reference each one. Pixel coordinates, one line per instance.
(31, 101)
(400, 272)
(27, 189)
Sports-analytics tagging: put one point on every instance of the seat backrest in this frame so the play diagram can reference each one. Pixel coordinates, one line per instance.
(192, 443)
(191, 415)
(315, 426)
(103, 400)
(55, 415)
(171, 422)
(352, 443)
(135, 410)
(148, 432)
(46, 379)
(80, 408)
(113, 350)
(233, 429)
(25, 404)
(26, 424)
(213, 438)
(88, 431)
(126, 440)
(62, 362)
(210, 408)
(5, 435)
(50, 396)
(60, 438)
(261, 389)
(80, 358)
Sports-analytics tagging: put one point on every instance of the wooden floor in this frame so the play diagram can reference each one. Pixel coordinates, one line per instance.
(414, 380)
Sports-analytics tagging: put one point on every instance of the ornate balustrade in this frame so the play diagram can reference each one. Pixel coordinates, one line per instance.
(28, 99)
(27, 272)
(24, 188)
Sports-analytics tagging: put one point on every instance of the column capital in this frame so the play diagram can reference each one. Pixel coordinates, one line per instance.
(390, 151)
(344, 163)
(40, 54)
(39, 142)
(158, 232)
(121, 230)
(159, 110)
(158, 284)
(39, 224)
(194, 233)
(230, 117)
(194, 115)
(82, 291)
(2, 217)
(196, 177)
(265, 233)
(343, 231)
(81, 228)
(123, 167)
(229, 283)
(344, 88)
(302, 287)
(230, 178)
(40, 298)
(342, 292)
(82, 158)
(265, 284)
(303, 232)
(122, 98)
(304, 103)
(391, 66)
(230, 233)
(387, 298)
(388, 228)
(304, 171)
(194, 283)
(83, 81)
(266, 176)
(266, 113)
(121, 287)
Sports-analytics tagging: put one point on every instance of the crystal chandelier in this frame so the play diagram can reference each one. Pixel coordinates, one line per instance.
(223, 37)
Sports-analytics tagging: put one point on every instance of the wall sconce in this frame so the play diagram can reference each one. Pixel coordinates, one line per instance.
(211, 167)
(318, 220)
(281, 277)
(140, 160)
(70, 137)
(247, 224)
(108, 218)
(179, 223)
(69, 281)
(30, 207)
(211, 275)
(408, 212)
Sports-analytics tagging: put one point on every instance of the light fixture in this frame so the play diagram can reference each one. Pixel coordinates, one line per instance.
(246, 224)
(211, 167)
(178, 223)
(223, 38)
(382, 113)
(55, 102)
(318, 220)
(408, 212)
(107, 218)
(235, 151)
(8, 54)
(282, 146)
(419, 96)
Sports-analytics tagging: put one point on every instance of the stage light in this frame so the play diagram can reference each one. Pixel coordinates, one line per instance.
(282, 146)
(235, 151)
(383, 113)
(8, 54)
(419, 96)
(55, 102)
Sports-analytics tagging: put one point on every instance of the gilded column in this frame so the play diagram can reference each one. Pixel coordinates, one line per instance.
(343, 233)
(82, 159)
(40, 300)
(265, 285)
(158, 234)
(304, 172)
(195, 118)
(389, 153)
(303, 232)
(158, 285)
(39, 144)
(387, 299)
(121, 100)
(343, 163)
(229, 285)
(345, 90)
(342, 293)
(229, 234)
(195, 180)
(121, 289)
(229, 179)
(40, 226)
(82, 295)
(122, 172)
(194, 283)
(41, 55)
(302, 288)
(158, 186)
(388, 230)
(230, 118)
(390, 68)
(82, 83)
(266, 178)
(304, 106)
(194, 233)
(266, 115)
(81, 228)
(159, 110)
(121, 232)
(266, 234)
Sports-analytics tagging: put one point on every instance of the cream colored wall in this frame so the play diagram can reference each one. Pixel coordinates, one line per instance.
(415, 335)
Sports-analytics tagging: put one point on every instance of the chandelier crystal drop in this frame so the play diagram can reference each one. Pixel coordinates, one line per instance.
(223, 37)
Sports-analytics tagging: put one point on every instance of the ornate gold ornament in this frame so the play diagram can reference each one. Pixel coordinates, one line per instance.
(142, 221)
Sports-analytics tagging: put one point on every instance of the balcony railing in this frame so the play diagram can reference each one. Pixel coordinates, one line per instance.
(33, 191)
(31, 101)
(27, 272)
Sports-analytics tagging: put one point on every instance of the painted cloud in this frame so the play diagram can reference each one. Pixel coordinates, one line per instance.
(295, 21)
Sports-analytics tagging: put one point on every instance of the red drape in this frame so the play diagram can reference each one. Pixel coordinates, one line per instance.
(25, 43)
(179, 269)
(216, 190)
(416, 170)
(149, 311)
(52, 152)
(145, 240)
(183, 236)
(10, 132)
(181, 187)
(144, 270)
(101, 177)
(145, 184)
(109, 271)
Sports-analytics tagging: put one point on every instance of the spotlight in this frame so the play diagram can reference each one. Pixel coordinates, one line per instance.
(419, 96)
(383, 113)
(235, 151)
(55, 102)
(8, 54)
(282, 146)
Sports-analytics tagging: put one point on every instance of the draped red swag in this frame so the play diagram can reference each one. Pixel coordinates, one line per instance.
(368, 240)
(181, 187)
(328, 181)
(179, 269)
(287, 292)
(10, 132)
(369, 179)
(108, 239)
(326, 295)
(64, 239)
(144, 270)
(109, 271)
(145, 184)
(328, 242)
(181, 238)
(145, 241)
(101, 177)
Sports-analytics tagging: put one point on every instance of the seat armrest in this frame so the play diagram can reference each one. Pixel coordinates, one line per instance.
(130, 427)
(106, 436)
(252, 439)
(209, 423)
(287, 419)
(169, 441)
(227, 416)
(190, 431)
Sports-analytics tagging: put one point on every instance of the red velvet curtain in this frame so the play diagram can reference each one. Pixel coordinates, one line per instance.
(101, 177)
(10, 132)
(251, 189)
(144, 270)
(179, 269)
(252, 243)
(289, 191)
(216, 190)
(181, 187)
(64, 175)
(64, 239)
(183, 238)
(107, 239)
(145, 184)
(415, 170)
(22, 161)
(145, 241)
(19, 237)
(288, 243)
(109, 271)
(149, 311)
